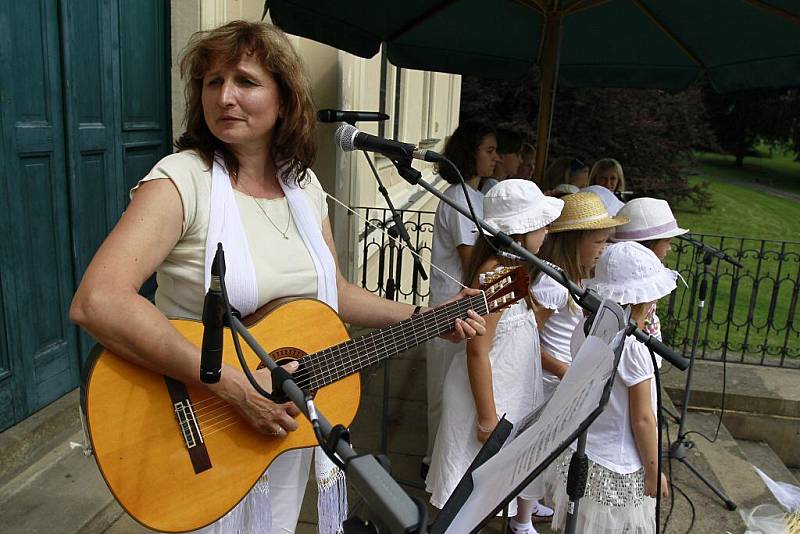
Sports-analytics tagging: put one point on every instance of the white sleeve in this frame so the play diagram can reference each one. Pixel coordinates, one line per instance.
(549, 293)
(635, 365)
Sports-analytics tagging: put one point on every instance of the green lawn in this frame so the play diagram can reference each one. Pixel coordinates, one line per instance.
(762, 310)
(740, 211)
(775, 168)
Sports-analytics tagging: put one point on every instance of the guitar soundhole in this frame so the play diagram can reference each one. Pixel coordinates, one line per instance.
(302, 376)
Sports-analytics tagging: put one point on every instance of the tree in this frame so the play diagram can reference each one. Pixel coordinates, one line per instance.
(652, 133)
(743, 118)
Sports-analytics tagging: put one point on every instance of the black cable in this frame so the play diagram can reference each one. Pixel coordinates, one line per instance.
(422, 508)
(658, 426)
(237, 345)
(691, 505)
(669, 478)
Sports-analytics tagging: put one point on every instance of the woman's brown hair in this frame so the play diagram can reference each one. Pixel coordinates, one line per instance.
(294, 142)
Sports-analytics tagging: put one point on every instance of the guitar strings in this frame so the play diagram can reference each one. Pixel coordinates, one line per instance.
(381, 348)
(331, 374)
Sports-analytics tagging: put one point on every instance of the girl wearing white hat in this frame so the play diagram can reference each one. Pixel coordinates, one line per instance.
(501, 373)
(622, 444)
(653, 225)
(577, 238)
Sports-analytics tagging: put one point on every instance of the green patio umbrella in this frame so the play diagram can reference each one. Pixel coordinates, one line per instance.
(667, 44)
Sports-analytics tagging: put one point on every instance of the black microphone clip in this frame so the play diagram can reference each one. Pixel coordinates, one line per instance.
(213, 322)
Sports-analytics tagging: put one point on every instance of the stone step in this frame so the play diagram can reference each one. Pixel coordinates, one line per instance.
(761, 403)
(63, 486)
(32, 438)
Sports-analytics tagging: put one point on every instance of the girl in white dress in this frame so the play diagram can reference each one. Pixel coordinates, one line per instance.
(622, 443)
(501, 373)
(577, 238)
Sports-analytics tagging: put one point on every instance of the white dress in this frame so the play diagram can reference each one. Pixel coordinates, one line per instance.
(517, 386)
(450, 230)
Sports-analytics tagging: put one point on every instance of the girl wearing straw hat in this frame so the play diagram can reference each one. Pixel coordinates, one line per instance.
(622, 443)
(653, 225)
(502, 372)
(577, 238)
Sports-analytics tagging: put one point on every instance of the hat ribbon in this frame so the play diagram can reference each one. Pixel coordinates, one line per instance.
(647, 232)
(592, 218)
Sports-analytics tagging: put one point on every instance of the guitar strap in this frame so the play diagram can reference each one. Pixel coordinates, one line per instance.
(225, 226)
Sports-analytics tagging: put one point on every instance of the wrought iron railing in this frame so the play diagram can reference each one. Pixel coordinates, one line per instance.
(750, 316)
(751, 312)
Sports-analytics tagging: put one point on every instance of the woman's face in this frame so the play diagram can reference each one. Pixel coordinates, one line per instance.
(532, 241)
(241, 103)
(662, 247)
(592, 245)
(608, 179)
(486, 156)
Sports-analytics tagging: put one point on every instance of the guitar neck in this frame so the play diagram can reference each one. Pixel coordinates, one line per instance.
(334, 363)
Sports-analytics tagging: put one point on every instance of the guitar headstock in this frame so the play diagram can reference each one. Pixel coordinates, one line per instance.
(504, 286)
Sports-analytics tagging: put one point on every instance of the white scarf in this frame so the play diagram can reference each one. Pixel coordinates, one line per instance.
(225, 226)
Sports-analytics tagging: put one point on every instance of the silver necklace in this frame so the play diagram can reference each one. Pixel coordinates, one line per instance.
(260, 207)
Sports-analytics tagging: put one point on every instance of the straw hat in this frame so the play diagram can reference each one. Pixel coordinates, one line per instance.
(612, 203)
(518, 206)
(650, 218)
(584, 211)
(630, 273)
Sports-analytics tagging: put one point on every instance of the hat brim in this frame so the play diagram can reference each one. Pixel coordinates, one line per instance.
(675, 232)
(600, 224)
(648, 290)
(534, 218)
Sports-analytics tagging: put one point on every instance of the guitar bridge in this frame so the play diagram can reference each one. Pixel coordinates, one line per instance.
(184, 413)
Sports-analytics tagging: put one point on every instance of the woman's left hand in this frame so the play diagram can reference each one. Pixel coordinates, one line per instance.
(475, 325)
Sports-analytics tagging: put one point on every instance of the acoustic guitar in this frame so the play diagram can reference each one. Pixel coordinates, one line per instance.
(178, 458)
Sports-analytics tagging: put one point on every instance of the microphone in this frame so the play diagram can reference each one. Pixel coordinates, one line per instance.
(213, 321)
(349, 138)
(338, 115)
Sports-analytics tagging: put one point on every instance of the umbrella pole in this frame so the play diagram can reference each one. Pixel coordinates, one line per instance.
(548, 66)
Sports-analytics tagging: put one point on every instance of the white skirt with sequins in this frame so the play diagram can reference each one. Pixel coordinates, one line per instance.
(613, 503)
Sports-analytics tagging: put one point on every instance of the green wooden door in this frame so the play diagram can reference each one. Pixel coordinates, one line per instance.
(84, 97)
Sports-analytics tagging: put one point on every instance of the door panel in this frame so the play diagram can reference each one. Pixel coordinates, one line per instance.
(41, 355)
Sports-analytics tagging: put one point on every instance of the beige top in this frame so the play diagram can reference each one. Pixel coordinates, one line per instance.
(283, 266)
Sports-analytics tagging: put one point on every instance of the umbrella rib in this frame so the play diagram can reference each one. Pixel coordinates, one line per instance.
(661, 26)
(775, 9)
(537, 5)
(420, 19)
(583, 5)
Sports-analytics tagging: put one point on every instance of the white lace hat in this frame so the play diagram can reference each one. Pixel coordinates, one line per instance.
(518, 206)
(650, 218)
(630, 273)
(612, 203)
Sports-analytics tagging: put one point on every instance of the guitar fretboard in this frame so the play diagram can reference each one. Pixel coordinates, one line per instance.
(334, 363)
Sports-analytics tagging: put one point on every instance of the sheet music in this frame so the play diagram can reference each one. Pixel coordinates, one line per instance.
(544, 430)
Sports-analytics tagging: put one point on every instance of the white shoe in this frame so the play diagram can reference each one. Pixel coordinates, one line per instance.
(542, 513)
(521, 528)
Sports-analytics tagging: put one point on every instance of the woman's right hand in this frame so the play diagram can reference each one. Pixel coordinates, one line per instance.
(261, 413)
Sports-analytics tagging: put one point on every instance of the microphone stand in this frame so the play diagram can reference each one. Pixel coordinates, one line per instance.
(398, 222)
(678, 450)
(586, 299)
(392, 508)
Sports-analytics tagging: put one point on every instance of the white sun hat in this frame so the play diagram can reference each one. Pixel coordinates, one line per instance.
(518, 206)
(630, 273)
(612, 203)
(650, 218)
